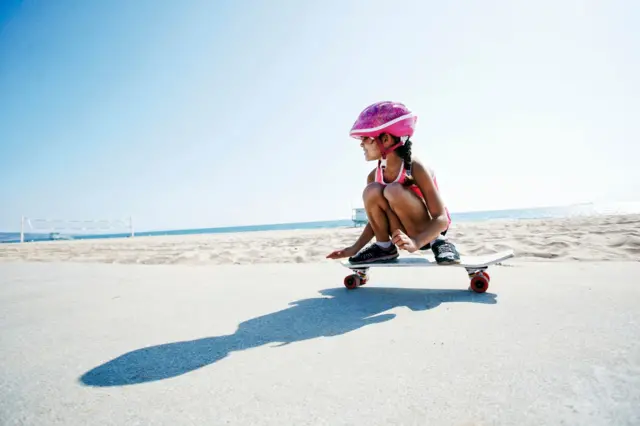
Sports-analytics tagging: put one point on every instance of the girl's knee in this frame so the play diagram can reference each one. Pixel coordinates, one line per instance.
(373, 192)
(394, 193)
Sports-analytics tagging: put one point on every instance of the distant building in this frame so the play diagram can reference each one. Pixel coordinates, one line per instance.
(359, 217)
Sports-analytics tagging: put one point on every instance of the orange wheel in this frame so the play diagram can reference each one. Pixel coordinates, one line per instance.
(352, 281)
(479, 283)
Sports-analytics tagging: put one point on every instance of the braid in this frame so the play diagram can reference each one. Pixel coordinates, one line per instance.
(404, 152)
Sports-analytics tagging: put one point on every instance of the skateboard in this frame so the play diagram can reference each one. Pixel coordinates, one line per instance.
(476, 267)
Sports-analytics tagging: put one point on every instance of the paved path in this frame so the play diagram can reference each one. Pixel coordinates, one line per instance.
(103, 344)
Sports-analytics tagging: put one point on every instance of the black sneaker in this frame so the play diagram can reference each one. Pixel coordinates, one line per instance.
(445, 252)
(375, 253)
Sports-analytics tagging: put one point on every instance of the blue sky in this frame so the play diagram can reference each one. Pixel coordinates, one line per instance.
(200, 113)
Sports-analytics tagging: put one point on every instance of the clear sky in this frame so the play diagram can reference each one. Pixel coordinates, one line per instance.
(215, 113)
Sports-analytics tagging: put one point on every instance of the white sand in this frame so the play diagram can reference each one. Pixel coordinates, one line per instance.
(581, 239)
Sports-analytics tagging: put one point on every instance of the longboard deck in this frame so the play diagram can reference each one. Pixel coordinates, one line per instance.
(469, 261)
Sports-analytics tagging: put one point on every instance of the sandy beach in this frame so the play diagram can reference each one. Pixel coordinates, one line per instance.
(257, 329)
(594, 238)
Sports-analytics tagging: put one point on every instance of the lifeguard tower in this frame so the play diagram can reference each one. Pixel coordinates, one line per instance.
(359, 217)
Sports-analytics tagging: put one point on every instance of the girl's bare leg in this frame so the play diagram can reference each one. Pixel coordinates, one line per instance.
(382, 218)
(410, 210)
(414, 216)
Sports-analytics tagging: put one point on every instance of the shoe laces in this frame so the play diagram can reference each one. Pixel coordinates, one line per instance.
(443, 248)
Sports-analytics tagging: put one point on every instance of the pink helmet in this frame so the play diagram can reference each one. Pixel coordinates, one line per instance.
(384, 117)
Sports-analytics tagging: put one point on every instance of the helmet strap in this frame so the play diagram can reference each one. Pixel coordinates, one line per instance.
(385, 151)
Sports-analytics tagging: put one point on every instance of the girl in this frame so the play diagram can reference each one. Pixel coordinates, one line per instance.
(401, 198)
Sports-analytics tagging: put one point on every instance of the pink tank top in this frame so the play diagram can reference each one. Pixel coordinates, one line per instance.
(402, 177)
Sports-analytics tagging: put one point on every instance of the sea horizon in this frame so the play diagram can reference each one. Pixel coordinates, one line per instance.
(582, 209)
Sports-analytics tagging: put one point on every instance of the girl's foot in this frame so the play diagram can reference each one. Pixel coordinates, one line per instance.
(375, 253)
(445, 252)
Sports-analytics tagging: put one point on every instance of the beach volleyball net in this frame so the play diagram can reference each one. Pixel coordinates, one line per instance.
(39, 229)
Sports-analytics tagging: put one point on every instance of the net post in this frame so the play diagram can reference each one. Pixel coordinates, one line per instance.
(131, 225)
(22, 229)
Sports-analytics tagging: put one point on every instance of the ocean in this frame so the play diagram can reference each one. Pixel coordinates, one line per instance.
(587, 209)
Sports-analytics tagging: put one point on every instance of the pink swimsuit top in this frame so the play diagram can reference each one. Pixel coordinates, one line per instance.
(401, 178)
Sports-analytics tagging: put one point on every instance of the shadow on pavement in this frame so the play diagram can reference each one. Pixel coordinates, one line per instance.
(337, 312)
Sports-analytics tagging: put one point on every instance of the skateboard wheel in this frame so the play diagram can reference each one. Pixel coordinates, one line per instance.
(480, 283)
(364, 277)
(352, 281)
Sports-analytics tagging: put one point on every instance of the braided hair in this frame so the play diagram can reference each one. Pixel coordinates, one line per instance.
(404, 152)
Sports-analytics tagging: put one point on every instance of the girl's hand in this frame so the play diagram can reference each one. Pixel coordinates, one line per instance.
(403, 241)
(345, 252)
